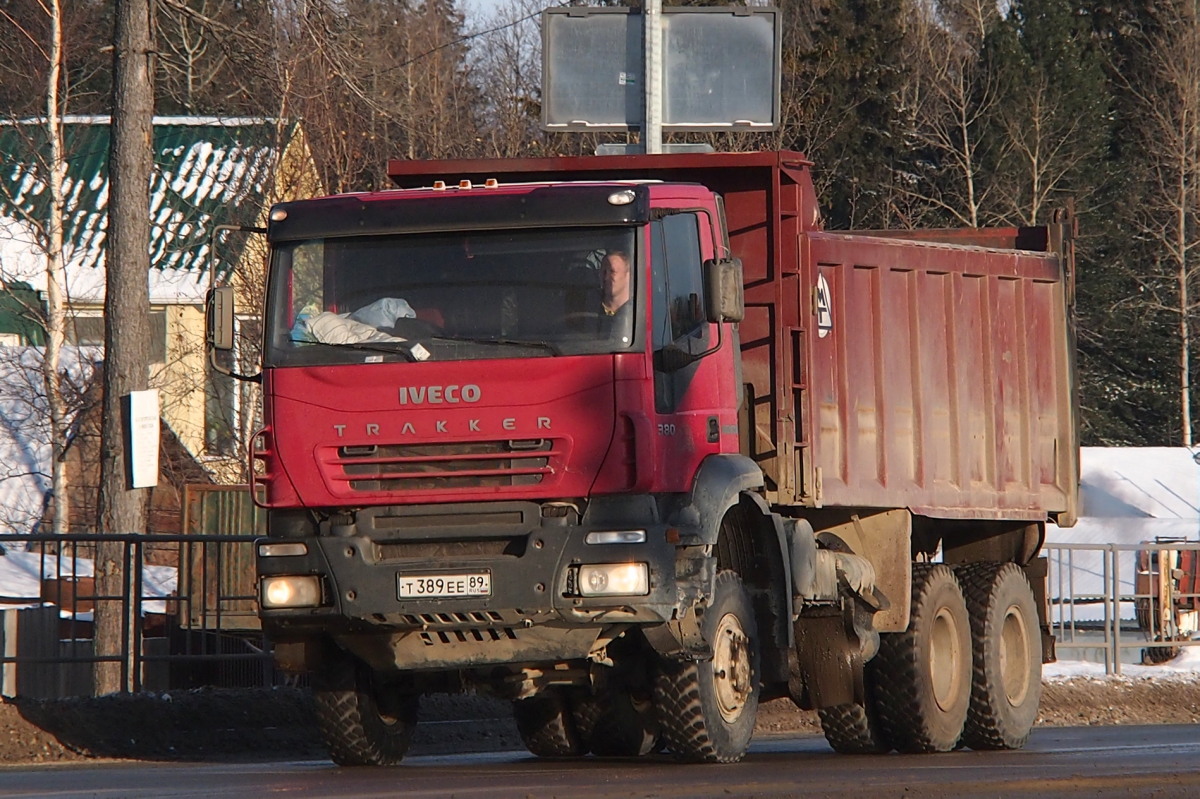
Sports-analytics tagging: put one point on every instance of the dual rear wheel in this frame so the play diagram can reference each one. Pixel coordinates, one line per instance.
(966, 672)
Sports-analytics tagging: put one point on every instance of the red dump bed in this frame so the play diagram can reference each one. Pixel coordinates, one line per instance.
(931, 370)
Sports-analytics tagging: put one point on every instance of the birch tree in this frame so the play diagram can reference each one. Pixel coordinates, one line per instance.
(49, 168)
(1170, 217)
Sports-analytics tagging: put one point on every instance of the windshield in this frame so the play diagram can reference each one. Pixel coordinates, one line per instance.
(452, 296)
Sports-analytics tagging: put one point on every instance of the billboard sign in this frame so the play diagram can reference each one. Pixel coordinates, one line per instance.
(720, 68)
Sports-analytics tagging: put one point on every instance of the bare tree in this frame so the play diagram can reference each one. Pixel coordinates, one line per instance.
(1170, 220)
(947, 99)
(49, 171)
(507, 59)
(1045, 149)
(126, 308)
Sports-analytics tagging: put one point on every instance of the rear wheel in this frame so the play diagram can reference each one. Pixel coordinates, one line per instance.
(364, 719)
(1007, 666)
(707, 709)
(547, 726)
(922, 676)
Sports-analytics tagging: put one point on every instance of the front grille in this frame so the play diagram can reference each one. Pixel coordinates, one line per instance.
(444, 466)
(494, 547)
(486, 636)
(458, 618)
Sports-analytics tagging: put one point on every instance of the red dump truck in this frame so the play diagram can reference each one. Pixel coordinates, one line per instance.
(634, 443)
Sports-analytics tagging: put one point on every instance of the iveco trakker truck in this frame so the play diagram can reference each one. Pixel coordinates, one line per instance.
(792, 462)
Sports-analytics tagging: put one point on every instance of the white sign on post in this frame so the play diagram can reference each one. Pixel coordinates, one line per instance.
(142, 430)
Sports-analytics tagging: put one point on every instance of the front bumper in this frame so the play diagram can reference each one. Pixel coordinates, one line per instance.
(534, 611)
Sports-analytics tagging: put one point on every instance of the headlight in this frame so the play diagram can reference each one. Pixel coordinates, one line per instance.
(614, 579)
(291, 592)
(616, 537)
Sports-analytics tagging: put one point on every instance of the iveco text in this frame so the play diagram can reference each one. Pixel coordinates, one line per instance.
(435, 395)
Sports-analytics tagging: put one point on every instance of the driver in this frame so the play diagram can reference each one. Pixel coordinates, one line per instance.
(615, 294)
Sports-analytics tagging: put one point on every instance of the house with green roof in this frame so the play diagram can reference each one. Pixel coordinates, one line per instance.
(207, 172)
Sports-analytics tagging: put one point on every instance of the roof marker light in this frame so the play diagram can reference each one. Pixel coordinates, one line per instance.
(439, 185)
(491, 183)
(278, 214)
(464, 184)
(621, 197)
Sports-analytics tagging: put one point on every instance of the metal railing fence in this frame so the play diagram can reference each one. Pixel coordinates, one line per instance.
(186, 605)
(1111, 599)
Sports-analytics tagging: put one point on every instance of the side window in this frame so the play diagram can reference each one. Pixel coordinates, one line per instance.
(677, 297)
(678, 285)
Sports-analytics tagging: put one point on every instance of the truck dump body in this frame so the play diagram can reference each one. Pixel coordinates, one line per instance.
(881, 371)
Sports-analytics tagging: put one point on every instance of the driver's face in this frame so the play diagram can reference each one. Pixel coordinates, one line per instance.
(614, 277)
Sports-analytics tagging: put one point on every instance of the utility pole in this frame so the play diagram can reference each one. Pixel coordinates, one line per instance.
(652, 132)
(127, 330)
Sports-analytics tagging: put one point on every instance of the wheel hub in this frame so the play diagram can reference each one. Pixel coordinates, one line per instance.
(731, 667)
(944, 657)
(1014, 655)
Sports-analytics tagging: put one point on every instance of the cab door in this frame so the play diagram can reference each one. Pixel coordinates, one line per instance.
(694, 416)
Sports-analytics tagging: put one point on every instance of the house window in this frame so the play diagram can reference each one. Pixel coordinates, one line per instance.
(87, 330)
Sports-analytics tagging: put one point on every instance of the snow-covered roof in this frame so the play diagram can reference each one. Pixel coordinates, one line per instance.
(207, 171)
(1133, 494)
(1139, 482)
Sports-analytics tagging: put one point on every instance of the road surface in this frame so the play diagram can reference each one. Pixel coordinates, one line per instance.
(1150, 761)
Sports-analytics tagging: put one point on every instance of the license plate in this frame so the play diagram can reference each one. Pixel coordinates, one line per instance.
(441, 586)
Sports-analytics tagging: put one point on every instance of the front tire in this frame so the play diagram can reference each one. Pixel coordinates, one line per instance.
(1007, 683)
(546, 725)
(707, 709)
(364, 720)
(922, 676)
(617, 724)
(853, 729)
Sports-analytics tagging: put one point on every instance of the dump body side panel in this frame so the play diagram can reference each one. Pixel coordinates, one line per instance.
(938, 379)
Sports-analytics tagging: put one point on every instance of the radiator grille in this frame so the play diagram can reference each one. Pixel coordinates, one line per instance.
(446, 466)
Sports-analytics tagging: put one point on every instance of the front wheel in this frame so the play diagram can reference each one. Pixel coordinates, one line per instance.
(853, 729)
(617, 724)
(364, 719)
(547, 726)
(707, 709)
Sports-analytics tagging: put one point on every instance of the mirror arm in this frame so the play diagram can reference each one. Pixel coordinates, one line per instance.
(212, 359)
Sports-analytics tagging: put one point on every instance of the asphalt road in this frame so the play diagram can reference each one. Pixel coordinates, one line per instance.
(1158, 761)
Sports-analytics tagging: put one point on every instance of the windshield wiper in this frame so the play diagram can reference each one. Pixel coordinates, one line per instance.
(406, 348)
(513, 342)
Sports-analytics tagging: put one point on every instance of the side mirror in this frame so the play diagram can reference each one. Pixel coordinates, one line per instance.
(723, 291)
(219, 318)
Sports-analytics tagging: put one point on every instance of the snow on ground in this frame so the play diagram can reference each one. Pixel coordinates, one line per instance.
(1184, 667)
(21, 574)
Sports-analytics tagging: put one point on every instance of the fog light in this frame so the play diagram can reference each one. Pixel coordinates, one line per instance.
(616, 537)
(291, 592)
(282, 549)
(614, 579)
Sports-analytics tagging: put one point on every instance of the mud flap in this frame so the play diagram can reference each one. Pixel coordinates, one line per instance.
(826, 663)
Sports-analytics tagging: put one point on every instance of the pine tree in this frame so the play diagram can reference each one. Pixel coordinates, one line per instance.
(844, 57)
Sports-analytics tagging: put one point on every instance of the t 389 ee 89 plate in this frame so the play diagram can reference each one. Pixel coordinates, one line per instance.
(443, 586)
